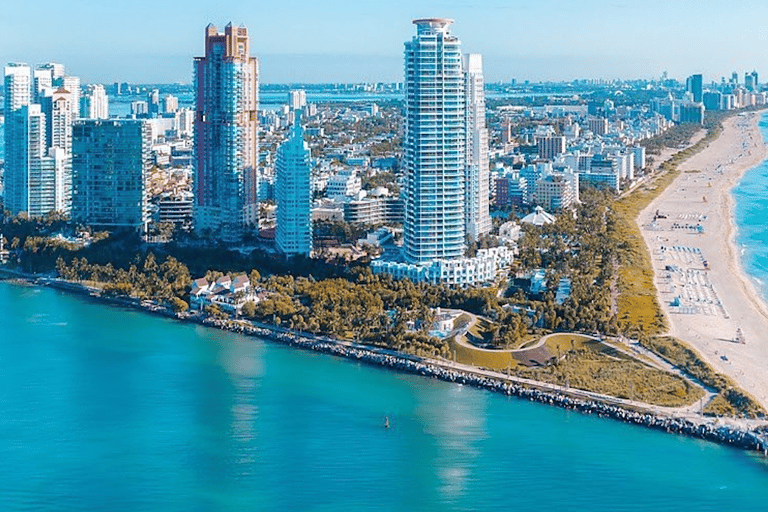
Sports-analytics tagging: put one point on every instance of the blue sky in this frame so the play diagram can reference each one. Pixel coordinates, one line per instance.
(341, 41)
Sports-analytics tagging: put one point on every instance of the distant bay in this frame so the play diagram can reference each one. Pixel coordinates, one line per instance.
(109, 409)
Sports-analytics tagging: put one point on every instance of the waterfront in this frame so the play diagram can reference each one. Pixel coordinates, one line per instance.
(751, 201)
(158, 411)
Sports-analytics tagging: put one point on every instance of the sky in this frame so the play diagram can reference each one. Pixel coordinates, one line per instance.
(320, 41)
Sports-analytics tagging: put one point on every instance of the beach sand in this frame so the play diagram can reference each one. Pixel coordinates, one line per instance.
(696, 259)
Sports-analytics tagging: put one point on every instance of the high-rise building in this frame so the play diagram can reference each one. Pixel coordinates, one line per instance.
(56, 70)
(139, 108)
(170, 104)
(434, 144)
(226, 139)
(153, 102)
(695, 85)
(95, 103)
(42, 83)
(293, 192)
(477, 173)
(110, 165)
(34, 184)
(750, 81)
(72, 84)
(297, 99)
(58, 108)
(17, 92)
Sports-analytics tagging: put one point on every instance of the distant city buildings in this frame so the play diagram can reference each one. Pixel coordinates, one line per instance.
(694, 85)
(110, 166)
(226, 139)
(39, 110)
(293, 192)
(297, 100)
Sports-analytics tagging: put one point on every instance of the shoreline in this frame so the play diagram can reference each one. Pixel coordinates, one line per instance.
(696, 259)
(698, 426)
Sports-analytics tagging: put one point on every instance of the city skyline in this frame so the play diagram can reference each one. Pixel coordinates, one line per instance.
(336, 42)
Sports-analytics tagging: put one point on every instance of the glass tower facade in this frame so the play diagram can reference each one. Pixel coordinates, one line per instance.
(293, 192)
(110, 167)
(434, 144)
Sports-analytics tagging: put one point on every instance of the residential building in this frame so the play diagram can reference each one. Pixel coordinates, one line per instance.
(694, 85)
(95, 103)
(692, 113)
(598, 125)
(461, 271)
(477, 171)
(175, 208)
(378, 208)
(293, 191)
(511, 190)
(170, 104)
(110, 165)
(297, 100)
(139, 108)
(550, 147)
(226, 139)
(72, 85)
(344, 184)
(33, 183)
(17, 93)
(434, 144)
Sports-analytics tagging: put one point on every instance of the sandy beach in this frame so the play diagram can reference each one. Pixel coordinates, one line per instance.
(689, 229)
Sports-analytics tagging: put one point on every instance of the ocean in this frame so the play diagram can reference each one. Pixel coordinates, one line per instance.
(751, 205)
(103, 408)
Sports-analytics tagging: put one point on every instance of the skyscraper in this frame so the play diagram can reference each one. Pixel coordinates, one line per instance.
(445, 150)
(226, 144)
(18, 94)
(110, 164)
(477, 174)
(293, 192)
(95, 103)
(35, 182)
(695, 86)
(297, 99)
(434, 144)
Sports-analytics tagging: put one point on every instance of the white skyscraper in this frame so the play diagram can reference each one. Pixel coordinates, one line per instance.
(478, 219)
(446, 164)
(297, 99)
(434, 144)
(31, 187)
(293, 192)
(95, 103)
(17, 93)
(72, 84)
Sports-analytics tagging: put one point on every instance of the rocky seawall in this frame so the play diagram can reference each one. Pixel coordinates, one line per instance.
(376, 356)
(743, 439)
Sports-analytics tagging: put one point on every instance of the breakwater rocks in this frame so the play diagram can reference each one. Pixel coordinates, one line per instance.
(406, 363)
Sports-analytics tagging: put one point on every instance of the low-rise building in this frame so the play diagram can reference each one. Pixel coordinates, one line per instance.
(483, 268)
(227, 293)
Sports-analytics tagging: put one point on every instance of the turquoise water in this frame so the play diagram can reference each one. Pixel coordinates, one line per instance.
(107, 409)
(751, 199)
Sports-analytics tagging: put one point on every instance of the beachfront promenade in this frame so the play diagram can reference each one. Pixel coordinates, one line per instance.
(689, 229)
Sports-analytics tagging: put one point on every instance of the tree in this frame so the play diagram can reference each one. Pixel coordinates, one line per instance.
(178, 305)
